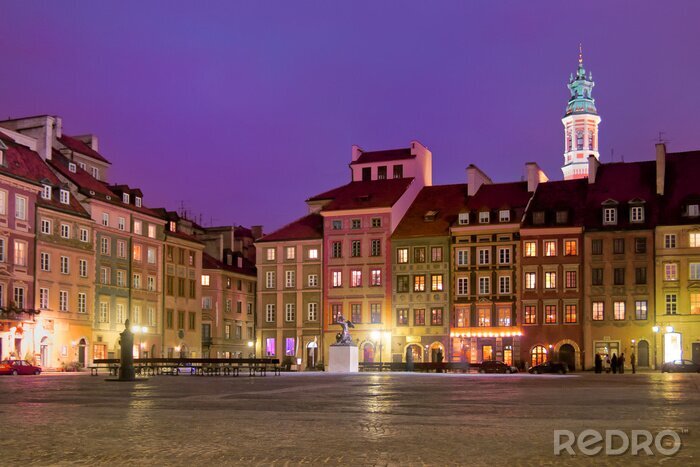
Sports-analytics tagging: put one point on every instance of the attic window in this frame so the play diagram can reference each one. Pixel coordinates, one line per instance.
(693, 210)
(562, 217)
(46, 192)
(463, 218)
(430, 216)
(138, 201)
(538, 217)
(82, 165)
(71, 167)
(125, 198)
(95, 173)
(484, 217)
(504, 215)
(173, 226)
(65, 196)
(609, 216)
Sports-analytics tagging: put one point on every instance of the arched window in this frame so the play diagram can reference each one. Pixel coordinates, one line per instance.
(538, 355)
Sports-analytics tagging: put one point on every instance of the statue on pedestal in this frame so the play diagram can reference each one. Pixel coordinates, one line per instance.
(343, 337)
(126, 367)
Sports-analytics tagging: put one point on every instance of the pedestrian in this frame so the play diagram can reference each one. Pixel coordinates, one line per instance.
(621, 363)
(607, 363)
(438, 358)
(409, 359)
(633, 363)
(613, 363)
(598, 363)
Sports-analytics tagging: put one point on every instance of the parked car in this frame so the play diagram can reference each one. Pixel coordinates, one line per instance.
(549, 367)
(680, 366)
(18, 367)
(495, 366)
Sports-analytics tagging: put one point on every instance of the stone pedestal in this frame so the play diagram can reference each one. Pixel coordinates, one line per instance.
(343, 359)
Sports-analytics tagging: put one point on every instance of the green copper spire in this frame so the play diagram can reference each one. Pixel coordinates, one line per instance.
(581, 100)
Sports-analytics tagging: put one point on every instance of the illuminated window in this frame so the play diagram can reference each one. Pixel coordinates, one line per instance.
(436, 317)
(419, 283)
(530, 314)
(538, 355)
(436, 283)
(419, 317)
(641, 308)
(355, 278)
(598, 311)
(290, 252)
(483, 317)
(313, 253)
(695, 303)
(530, 280)
(402, 317)
(270, 254)
(504, 316)
(375, 277)
(619, 311)
(694, 239)
(138, 227)
(570, 247)
(337, 278)
(571, 279)
(694, 270)
(570, 314)
(530, 249)
(402, 255)
(436, 254)
(670, 271)
(137, 252)
(550, 314)
(550, 248)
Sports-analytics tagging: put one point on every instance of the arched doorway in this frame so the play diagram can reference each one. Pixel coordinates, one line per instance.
(538, 355)
(82, 352)
(643, 354)
(184, 351)
(311, 354)
(368, 352)
(417, 352)
(435, 348)
(567, 354)
(45, 352)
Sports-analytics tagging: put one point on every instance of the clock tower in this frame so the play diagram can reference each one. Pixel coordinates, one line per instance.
(580, 124)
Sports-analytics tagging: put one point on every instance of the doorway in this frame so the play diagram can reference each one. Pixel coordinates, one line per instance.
(508, 355)
(435, 349)
(486, 353)
(82, 347)
(311, 354)
(567, 354)
(672, 346)
(368, 353)
(696, 352)
(44, 352)
(643, 354)
(416, 352)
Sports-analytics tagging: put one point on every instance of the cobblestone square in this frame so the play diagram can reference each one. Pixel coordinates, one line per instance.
(319, 418)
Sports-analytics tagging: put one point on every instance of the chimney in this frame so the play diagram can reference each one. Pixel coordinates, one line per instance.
(257, 231)
(535, 176)
(475, 178)
(58, 127)
(593, 165)
(356, 152)
(660, 168)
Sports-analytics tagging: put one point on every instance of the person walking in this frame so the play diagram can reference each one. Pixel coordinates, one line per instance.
(621, 363)
(633, 363)
(613, 363)
(598, 363)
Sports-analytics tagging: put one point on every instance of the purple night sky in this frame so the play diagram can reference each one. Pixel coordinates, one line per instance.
(242, 110)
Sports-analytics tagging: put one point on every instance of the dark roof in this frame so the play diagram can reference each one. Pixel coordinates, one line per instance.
(443, 202)
(248, 269)
(76, 145)
(364, 194)
(493, 197)
(681, 188)
(24, 164)
(183, 236)
(384, 156)
(90, 186)
(555, 196)
(304, 228)
(622, 182)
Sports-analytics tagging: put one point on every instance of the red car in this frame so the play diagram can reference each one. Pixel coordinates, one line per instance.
(18, 367)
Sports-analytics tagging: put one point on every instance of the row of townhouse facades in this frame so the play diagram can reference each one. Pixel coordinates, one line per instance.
(80, 256)
(522, 272)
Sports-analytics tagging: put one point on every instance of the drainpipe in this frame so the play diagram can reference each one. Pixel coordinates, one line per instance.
(163, 276)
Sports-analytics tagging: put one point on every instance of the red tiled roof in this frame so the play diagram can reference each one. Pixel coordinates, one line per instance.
(447, 200)
(76, 145)
(622, 182)
(364, 194)
(681, 188)
(248, 269)
(384, 156)
(304, 228)
(92, 187)
(25, 164)
(561, 195)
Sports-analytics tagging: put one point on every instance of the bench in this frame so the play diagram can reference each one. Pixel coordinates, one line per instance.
(109, 364)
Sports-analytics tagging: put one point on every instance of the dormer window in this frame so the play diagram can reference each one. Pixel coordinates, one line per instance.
(95, 172)
(538, 217)
(637, 214)
(504, 215)
(430, 216)
(562, 217)
(72, 167)
(484, 217)
(138, 201)
(693, 210)
(381, 172)
(65, 196)
(172, 226)
(82, 165)
(609, 216)
(463, 218)
(46, 192)
(398, 171)
(125, 198)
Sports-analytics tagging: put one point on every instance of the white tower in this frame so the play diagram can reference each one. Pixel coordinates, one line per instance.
(580, 124)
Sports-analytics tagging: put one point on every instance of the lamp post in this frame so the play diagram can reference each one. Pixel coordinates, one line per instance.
(251, 345)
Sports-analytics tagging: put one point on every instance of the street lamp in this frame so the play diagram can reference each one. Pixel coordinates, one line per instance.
(251, 345)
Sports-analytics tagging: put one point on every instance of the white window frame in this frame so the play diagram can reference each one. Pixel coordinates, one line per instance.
(637, 214)
(484, 217)
(609, 216)
(504, 215)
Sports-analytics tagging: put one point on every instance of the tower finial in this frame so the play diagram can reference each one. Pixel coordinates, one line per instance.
(580, 54)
